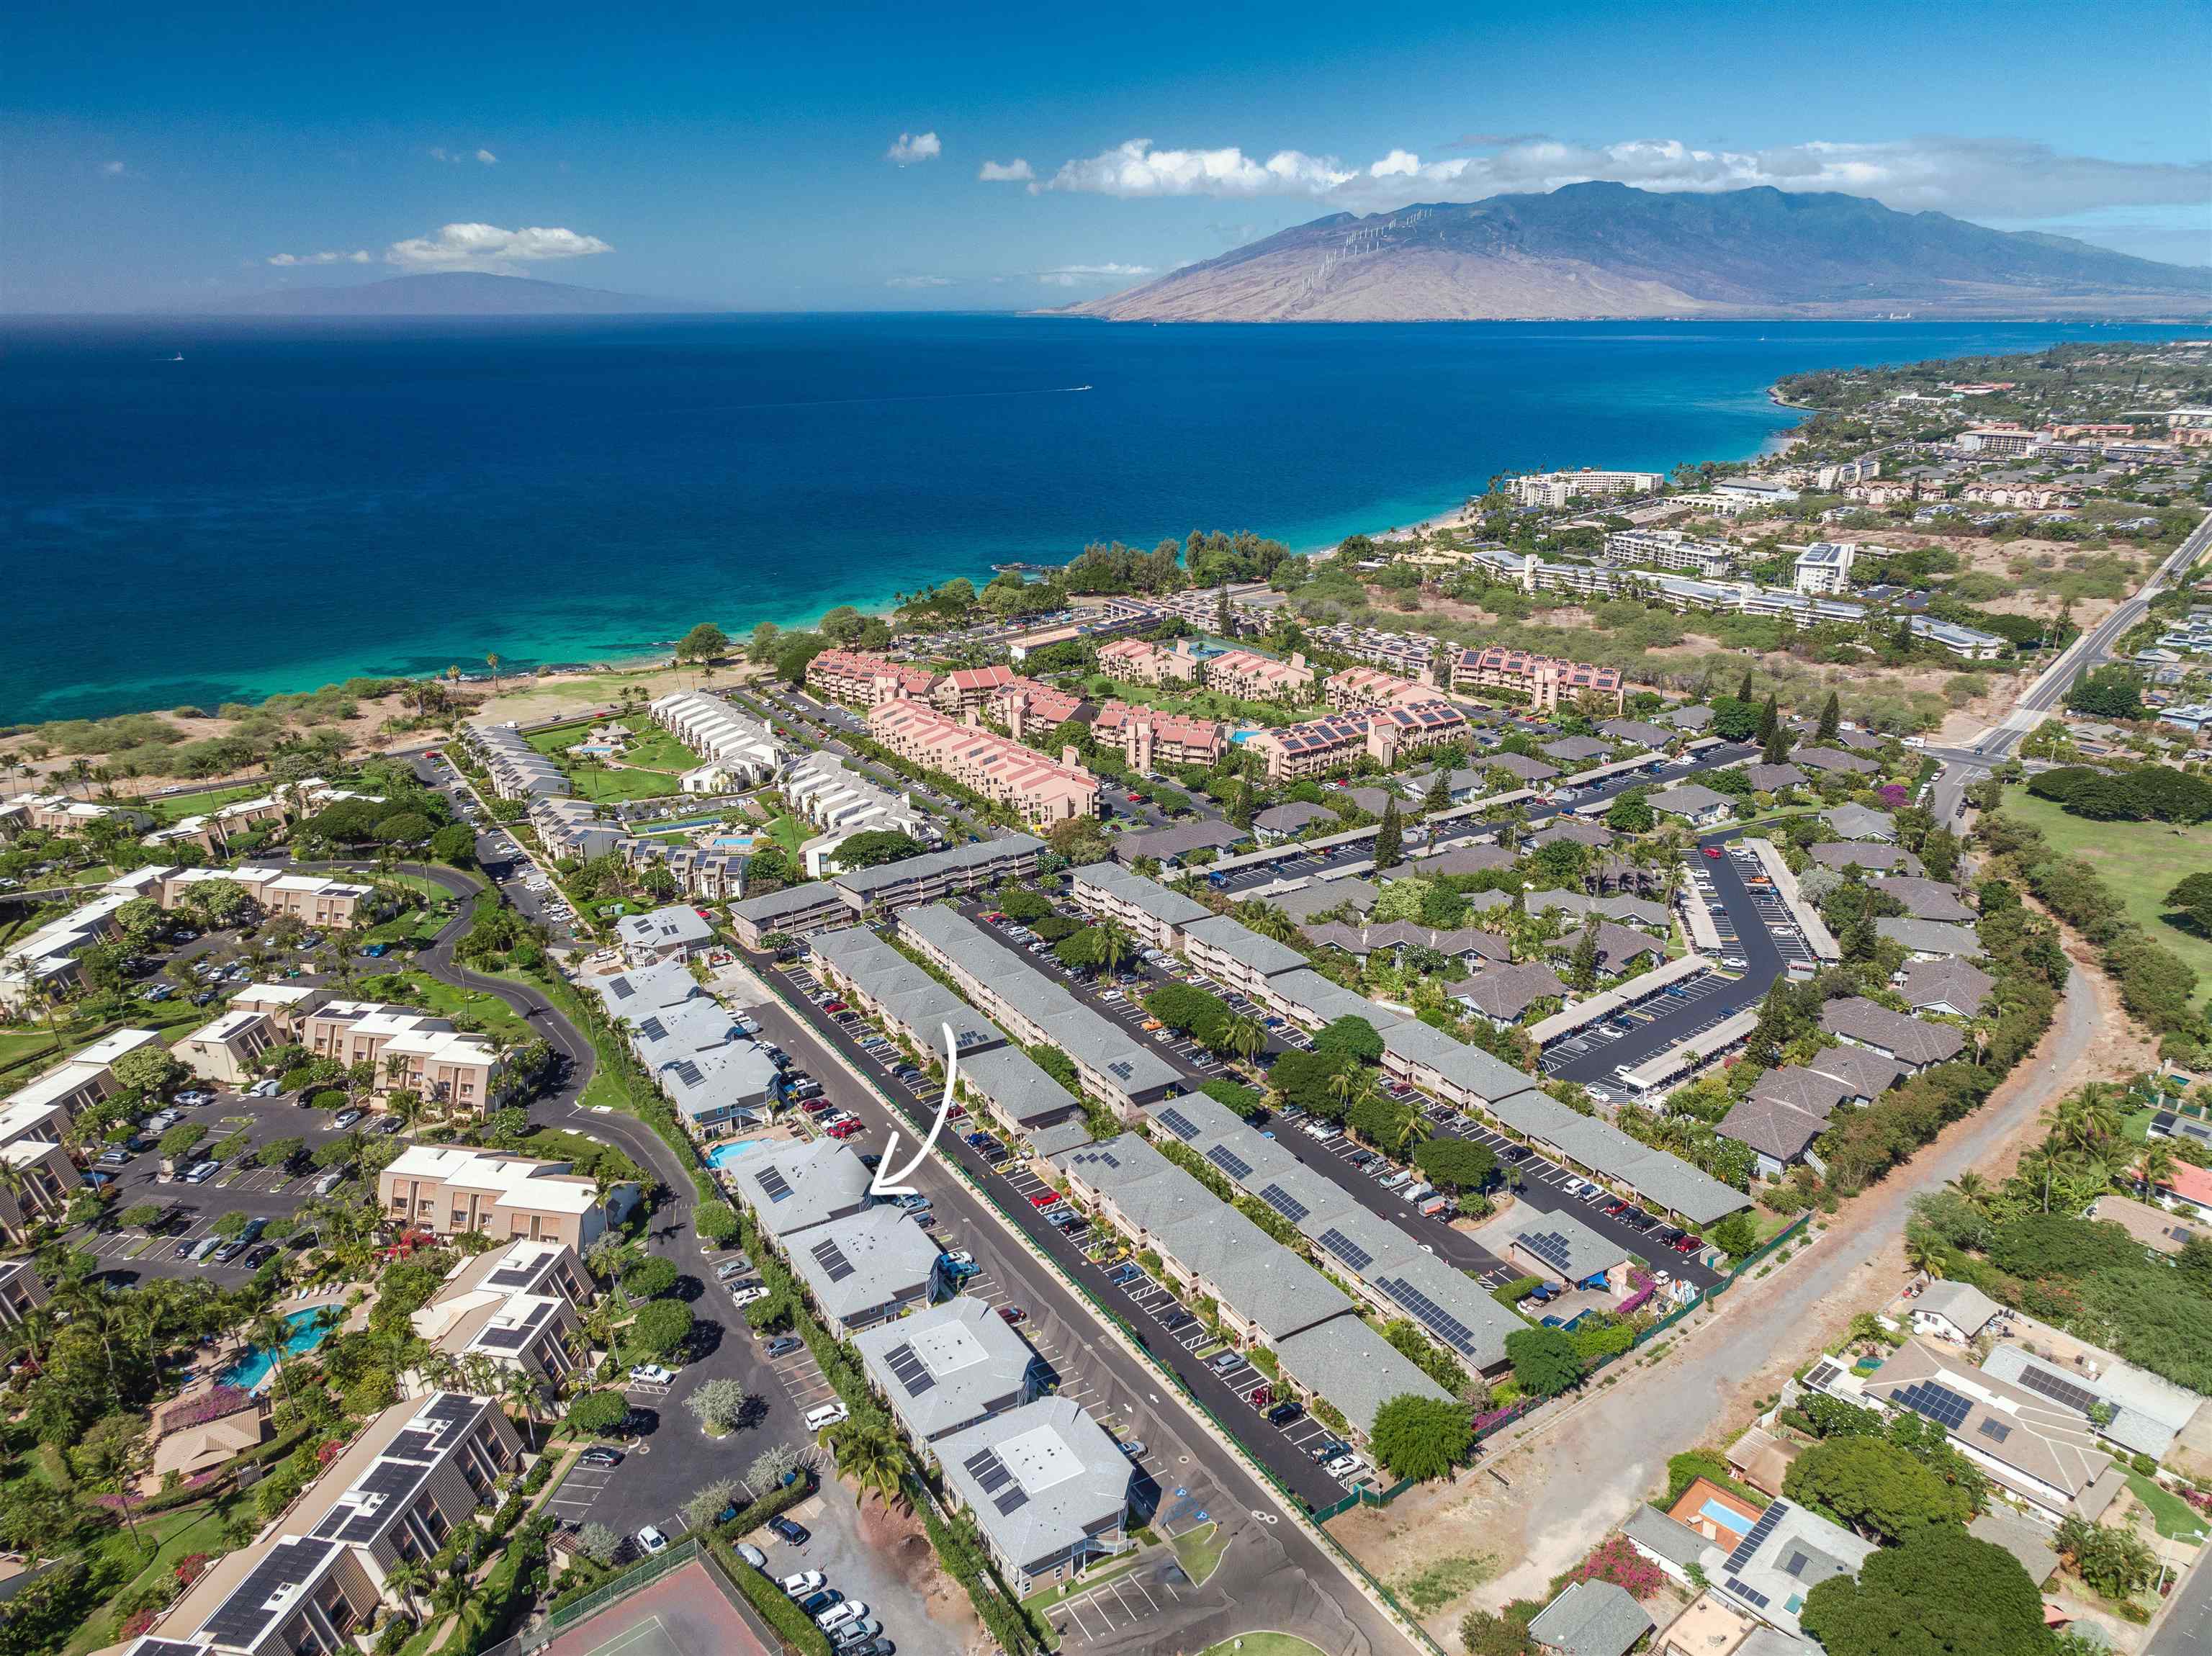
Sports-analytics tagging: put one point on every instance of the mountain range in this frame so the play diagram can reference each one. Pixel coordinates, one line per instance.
(454, 293)
(1608, 250)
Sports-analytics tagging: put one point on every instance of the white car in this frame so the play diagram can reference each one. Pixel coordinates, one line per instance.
(651, 1373)
(745, 1296)
(828, 1415)
(651, 1540)
(837, 1615)
(805, 1582)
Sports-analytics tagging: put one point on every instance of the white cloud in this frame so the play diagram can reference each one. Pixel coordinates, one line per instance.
(912, 147)
(486, 247)
(326, 258)
(919, 281)
(486, 158)
(1135, 168)
(1016, 171)
(1972, 177)
(113, 169)
(1068, 276)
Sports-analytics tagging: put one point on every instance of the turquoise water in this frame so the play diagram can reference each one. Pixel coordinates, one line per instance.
(296, 503)
(1727, 1517)
(311, 1329)
(722, 1154)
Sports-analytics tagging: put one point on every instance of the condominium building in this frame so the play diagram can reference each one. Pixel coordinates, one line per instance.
(1048, 1489)
(1825, 568)
(517, 770)
(447, 1189)
(1355, 688)
(1670, 548)
(1042, 791)
(516, 1306)
(1557, 488)
(1251, 677)
(2000, 442)
(1031, 710)
(862, 893)
(212, 831)
(310, 1586)
(43, 1107)
(947, 1368)
(1387, 735)
(865, 680)
(1408, 655)
(1134, 661)
(22, 1292)
(1542, 679)
(1145, 908)
(824, 789)
(226, 1049)
(411, 1051)
(735, 749)
(1963, 642)
(967, 689)
(2034, 497)
(1150, 738)
(41, 1177)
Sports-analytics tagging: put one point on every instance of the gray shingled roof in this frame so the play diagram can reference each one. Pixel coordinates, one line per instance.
(1927, 900)
(1909, 1039)
(1147, 896)
(1354, 1368)
(1952, 983)
(1772, 1126)
(1930, 937)
(1590, 1618)
(1245, 946)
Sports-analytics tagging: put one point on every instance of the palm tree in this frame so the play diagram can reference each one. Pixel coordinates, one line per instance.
(1247, 1036)
(1973, 1189)
(517, 1385)
(407, 1577)
(2154, 1166)
(274, 1335)
(492, 661)
(1414, 1129)
(1115, 945)
(868, 1454)
(2038, 1167)
(1346, 1085)
(1923, 1256)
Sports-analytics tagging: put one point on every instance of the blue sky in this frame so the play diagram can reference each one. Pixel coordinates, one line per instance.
(158, 156)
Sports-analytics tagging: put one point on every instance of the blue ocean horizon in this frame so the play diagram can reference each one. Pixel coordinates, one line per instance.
(202, 510)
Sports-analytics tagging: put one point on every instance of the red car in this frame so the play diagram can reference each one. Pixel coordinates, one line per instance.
(1713, 852)
(1013, 1313)
(1260, 1396)
(1688, 1243)
(846, 1129)
(833, 1006)
(1044, 1198)
(1614, 1210)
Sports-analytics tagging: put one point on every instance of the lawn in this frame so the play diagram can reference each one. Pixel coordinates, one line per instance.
(658, 750)
(176, 1534)
(495, 1015)
(556, 739)
(1263, 1644)
(2176, 1519)
(1199, 1551)
(176, 807)
(603, 787)
(789, 832)
(2141, 861)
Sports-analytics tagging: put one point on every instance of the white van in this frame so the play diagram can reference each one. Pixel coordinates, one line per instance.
(828, 1415)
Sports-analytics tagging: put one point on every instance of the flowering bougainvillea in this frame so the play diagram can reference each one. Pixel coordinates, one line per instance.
(1616, 1561)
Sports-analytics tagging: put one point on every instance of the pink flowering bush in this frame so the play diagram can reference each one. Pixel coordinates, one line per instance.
(1617, 1562)
(1893, 795)
(214, 1404)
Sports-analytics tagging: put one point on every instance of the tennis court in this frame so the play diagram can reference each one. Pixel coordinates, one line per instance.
(690, 1611)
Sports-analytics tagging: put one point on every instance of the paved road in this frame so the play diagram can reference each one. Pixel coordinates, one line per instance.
(1361, 856)
(1579, 1472)
(2091, 650)
(2186, 1628)
(1282, 1577)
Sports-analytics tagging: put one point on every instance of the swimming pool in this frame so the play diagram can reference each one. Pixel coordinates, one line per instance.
(309, 1330)
(722, 1154)
(1727, 1518)
(730, 842)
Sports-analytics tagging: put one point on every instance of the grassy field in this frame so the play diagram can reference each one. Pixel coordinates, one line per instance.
(177, 1535)
(658, 750)
(1263, 1644)
(176, 806)
(2141, 861)
(789, 832)
(1199, 1551)
(2177, 1520)
(496, 1016)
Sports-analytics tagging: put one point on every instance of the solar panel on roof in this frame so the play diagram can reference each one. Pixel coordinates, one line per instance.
(987, 1470)
(904, 1364)
(1749, 1595)
(1178, 1124)
(1230, 1163)
(1345, 1249)
(2058, 1389)
(1284, 1203)
(1996, 1431)
(770, 1180)
(831, 1258)
(1757, 1536)
(687, 1073)
(1430, 1315)
(1010, 1498)
(623, 988)
(1551, 1246)
(1939, 1403)
(653, 1029)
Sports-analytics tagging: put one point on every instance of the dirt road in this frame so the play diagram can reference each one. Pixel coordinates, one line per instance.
(1575, 1473)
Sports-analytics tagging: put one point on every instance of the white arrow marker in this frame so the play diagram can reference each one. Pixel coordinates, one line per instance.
(886, 1182)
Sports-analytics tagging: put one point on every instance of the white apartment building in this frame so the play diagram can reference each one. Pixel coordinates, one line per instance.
(738, 751)
(1670, 548)
(1824, 569)
(1555, 489)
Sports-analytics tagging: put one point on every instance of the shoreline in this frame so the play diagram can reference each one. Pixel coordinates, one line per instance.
(576, 666)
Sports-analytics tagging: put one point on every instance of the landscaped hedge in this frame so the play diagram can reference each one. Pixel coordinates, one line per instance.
(792, 1624)
(778, 1501)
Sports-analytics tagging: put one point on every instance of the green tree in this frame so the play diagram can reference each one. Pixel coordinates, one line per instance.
(1349, 1037)
(660, 1329)
(1544, 1360)
(1878, 1488)
(1455, 1164)
(705, 642)
(599, 1414)
(722, 1405)
(1940, 1592)
(455, 844)
(2193, 896)
(875, 847)
(180, 1140)
(1390, 837)
(1832, 718)
(1582, 967)
(1420, 1437)
(649, 1279)
(2117, 1564)
(1737, 1236)
(1631, 815)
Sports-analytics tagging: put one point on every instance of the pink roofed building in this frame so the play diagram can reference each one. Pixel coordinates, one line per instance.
(1137, 661)
(1042, 791)
(1542, 679)
(1149, 737)
(865, 680)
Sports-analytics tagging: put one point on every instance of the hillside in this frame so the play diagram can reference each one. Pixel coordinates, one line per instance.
(453, 293)
(1606, 250)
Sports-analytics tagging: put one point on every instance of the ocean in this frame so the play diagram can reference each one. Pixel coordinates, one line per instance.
(199, 510)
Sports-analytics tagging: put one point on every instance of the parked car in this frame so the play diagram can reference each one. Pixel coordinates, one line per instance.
(799, 1586)
(651, 1373)
(850, 1609)
(784, 1344)
(1284, 1412)
(650, 1540)
(1013, 1314)
(822, 1599)
(737, 1265)
(345, 1119)
(796, 1534)
(200, 1172)
(828, 1414)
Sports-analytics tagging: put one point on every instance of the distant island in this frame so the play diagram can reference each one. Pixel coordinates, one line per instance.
(1609, 251)
(455, 292)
